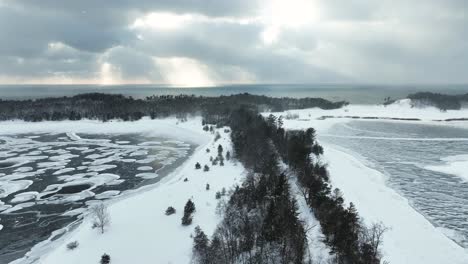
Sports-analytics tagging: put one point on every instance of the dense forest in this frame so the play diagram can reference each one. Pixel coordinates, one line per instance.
(442, 101)
(261, 223)
(108, 106)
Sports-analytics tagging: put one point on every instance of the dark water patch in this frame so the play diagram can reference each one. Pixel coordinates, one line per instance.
(4, 165)
(69, 189)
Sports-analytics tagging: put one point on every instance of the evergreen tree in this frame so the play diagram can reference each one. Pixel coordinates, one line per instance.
(189, 209)
(200, 246)
(105, 259)
(197, 166)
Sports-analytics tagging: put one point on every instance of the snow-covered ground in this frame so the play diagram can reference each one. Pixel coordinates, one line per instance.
(317, 249)
(411, 238)
(169, 127)
(399, 109)
(140, 232)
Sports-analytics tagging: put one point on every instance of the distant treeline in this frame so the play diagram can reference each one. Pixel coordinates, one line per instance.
(104, 107)
(261, 219)
(442, 101)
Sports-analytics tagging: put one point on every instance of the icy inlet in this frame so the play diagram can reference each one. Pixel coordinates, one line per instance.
(47, 179)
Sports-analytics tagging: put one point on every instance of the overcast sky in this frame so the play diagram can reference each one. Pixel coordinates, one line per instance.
(209, 42)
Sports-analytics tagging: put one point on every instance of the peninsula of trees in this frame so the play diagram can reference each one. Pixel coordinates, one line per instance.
(442, 101)
(109, 106)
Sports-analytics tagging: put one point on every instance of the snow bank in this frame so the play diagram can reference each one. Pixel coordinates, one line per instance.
(455, 165)
(140, 231)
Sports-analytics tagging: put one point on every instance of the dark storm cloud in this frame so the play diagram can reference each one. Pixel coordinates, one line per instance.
(206, 7)
(26, 33)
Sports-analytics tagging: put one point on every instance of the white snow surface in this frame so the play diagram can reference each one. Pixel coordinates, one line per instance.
(455, 165)
(399, 109)
(412, 238)
(140, 232)
(159, 127)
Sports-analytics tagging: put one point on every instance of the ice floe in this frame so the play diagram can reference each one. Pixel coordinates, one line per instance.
(24, 197)
(455, 165)
(8, 187)
(64, 170)
(147, 175)
(107, 194)
(144, 168)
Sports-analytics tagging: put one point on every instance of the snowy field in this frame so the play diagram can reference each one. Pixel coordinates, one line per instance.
(411, 238)
(140, 231)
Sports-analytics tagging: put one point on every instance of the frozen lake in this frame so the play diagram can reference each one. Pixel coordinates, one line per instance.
(46, 180)
(427, 164)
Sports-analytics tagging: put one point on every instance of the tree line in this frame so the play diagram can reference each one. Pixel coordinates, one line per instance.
(346, 235)
(104, 107)
(260, 220)
(261, 223)
(442, 101)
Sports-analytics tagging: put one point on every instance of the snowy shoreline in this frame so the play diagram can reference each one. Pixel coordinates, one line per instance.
(139, 230)
(411, 238)
(166, 128)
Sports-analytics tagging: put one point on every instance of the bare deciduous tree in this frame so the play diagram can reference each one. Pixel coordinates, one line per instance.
(101, 218)
(373, 236)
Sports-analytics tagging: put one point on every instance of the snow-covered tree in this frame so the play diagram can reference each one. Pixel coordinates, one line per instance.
(101, 218)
